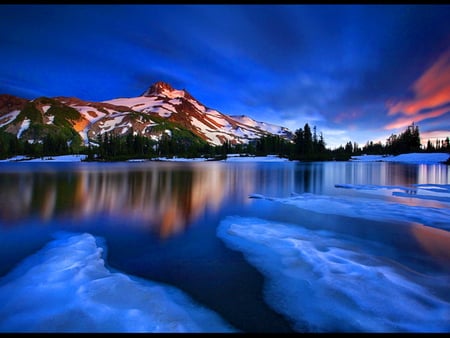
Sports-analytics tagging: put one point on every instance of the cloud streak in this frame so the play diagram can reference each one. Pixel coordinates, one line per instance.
(431, 96)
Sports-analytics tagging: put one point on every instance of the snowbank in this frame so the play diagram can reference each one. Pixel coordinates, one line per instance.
(406, 158)
(60, 158)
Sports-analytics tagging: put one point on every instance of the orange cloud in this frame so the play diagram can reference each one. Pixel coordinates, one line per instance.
(405, 121)
(431, 92)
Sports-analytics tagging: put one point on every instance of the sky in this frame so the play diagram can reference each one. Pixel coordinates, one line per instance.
(357, 72)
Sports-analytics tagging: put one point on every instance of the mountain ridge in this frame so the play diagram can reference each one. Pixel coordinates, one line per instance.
(158, 111)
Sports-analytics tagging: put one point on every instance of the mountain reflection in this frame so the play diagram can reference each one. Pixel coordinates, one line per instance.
(160, 197)
(165, 197)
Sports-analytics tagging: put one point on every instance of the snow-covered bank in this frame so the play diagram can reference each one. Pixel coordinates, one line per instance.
(268, 158)
(230, 158)
(60, 158)
(406, 158)
(426, 158)
(78, 158)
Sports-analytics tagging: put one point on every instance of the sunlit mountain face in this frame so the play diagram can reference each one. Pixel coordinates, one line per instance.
(160, 110)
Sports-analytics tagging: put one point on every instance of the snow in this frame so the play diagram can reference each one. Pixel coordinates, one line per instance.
(180, 159)
(135, 103)
(212, 136)
(109, 125)
(272, 128)
(85, 112)
(230, 158)
(219, 121)
(198, 106)
(175, 102)
(24, 126)
(173, 94)
(51, 118)
(268, 158)
(245, 120)
(60, 158)
(163, 110)
(419, 191)
(66, 287)
(326, 282)
(8, 118)
(406, 158)
(147, 104)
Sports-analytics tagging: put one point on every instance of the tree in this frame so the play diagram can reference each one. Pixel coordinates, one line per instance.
(308, 140)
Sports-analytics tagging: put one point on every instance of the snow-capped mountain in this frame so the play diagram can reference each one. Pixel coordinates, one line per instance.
(161, 109)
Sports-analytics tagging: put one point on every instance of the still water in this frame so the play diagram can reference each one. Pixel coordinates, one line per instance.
(160, 222)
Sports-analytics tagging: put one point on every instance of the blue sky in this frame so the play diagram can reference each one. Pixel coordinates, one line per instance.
(357, 72)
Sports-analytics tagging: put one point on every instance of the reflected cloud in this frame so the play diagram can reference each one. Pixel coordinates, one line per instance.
(435, 241)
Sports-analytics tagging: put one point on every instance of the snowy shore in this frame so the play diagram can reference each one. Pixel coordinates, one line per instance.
(405, 158)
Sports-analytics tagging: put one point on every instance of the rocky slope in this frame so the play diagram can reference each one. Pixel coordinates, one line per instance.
(160, 110)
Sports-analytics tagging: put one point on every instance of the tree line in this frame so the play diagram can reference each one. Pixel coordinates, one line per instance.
(307, 145)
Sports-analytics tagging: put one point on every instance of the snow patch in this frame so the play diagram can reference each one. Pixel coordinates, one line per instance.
(8, 118)
(24, 126)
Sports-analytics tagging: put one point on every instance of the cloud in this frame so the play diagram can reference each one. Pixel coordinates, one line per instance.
(407, 120)
(431, 96)
(434, 135)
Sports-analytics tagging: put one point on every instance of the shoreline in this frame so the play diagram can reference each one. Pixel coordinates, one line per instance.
(442, 158)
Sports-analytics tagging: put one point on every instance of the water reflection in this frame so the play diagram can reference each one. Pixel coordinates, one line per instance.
(167, 197)
(164, 199)
(159, 196)
(435, 242)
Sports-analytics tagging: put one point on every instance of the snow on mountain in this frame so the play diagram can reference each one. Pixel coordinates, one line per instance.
(211, 125)
(144, 115)
(271, 128)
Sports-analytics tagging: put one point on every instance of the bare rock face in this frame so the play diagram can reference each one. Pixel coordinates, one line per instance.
(158, 88)
(9, 103)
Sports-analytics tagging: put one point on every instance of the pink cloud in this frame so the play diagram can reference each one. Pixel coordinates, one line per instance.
(431, 92)
(405, 121)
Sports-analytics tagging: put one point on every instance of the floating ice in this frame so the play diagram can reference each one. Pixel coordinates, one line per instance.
(372, 209)
(436, 192)
(65, 287)
(325, 282)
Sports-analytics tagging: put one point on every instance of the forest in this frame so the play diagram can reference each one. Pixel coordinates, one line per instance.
(306, 145)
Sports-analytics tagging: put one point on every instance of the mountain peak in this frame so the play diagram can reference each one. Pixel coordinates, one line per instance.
(158, 88)
(161, 88)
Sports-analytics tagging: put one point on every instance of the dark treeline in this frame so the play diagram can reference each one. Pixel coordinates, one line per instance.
(110, 146)
(52, 144)
(307, 145)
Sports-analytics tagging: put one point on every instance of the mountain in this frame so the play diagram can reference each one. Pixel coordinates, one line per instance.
(160, 110)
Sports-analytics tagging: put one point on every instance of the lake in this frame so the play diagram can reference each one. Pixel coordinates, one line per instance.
(246, 246)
